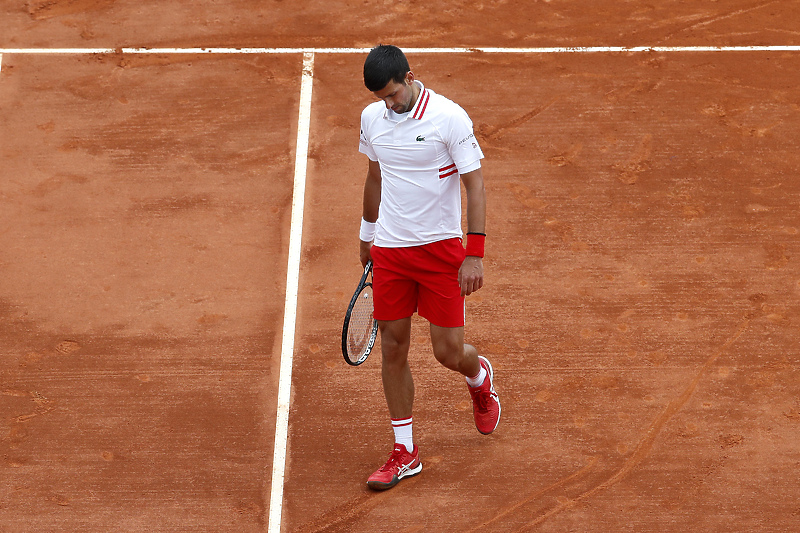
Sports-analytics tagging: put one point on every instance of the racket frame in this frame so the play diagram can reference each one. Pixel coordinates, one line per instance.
(363, 283)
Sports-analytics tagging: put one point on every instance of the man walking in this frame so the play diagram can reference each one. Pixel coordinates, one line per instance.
(421, 147)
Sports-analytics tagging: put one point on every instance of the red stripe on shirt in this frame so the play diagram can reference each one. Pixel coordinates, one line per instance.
(423, 103)
(442, 176)
(449, 170)
(419, 104)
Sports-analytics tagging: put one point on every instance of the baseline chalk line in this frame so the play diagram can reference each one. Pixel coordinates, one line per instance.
(469, 50)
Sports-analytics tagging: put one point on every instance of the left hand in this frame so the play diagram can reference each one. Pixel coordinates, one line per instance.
(470, 275)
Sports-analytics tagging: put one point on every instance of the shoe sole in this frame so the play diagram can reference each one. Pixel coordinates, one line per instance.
(499, 407)
(377, 485)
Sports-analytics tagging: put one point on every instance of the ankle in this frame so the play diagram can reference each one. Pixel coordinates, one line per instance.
(478, 379)
(403, 432)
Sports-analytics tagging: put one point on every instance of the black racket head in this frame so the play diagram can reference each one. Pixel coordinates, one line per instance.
(360, 328)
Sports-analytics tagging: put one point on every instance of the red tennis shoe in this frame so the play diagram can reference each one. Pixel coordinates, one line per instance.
(485, 403)
(401, 464)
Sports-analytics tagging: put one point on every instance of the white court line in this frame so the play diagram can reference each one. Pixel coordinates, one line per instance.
(290, 307)
(486, 50)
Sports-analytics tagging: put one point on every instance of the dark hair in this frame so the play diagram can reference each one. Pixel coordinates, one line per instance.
(384, 63)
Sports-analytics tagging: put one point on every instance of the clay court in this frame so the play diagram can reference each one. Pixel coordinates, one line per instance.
(642, 278)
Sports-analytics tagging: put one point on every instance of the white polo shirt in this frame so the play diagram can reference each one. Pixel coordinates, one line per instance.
(421, 154)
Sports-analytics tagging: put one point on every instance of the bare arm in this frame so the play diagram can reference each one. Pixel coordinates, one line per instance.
(470, 275)
(372, 201)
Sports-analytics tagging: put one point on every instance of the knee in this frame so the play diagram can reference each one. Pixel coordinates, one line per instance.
(394, 347)
(449, 354)
(394, 355)
(391, 345)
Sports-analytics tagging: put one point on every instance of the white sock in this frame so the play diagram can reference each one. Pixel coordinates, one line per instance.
(403, 433)
(477, 381)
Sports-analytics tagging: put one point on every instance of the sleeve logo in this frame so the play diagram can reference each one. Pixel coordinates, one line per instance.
(465, 139)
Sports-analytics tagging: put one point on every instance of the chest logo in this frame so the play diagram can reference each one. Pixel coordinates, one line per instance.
(420, 138)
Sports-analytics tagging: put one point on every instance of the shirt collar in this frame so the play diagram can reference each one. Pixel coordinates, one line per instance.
(416, 112)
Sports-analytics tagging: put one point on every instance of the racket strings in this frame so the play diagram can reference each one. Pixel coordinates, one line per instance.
(359, 331)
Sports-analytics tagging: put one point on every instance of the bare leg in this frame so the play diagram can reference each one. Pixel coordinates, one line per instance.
(450, 350)
(398, 385)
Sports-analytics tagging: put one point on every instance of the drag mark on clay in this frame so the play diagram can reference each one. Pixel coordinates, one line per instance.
(576, 476)
(721, 114)
(646, 443)
(717, 18)
(496, 132)
(18, 425)
(42, 404)
(47, 9)
(341, 519)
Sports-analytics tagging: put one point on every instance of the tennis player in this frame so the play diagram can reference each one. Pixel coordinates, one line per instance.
(421, 147)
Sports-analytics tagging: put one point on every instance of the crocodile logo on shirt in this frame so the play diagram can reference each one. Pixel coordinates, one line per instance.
(420, 138)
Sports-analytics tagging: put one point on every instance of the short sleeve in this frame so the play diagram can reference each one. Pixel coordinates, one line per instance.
(364, 144)
(461, 142)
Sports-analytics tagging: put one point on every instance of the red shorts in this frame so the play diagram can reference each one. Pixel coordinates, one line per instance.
(419, 278)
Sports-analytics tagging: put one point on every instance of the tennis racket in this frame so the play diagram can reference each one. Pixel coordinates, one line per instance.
(360, 329)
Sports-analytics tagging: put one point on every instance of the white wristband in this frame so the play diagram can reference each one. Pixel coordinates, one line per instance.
(367, 232)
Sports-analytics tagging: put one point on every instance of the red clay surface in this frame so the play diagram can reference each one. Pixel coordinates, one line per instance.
(145, 204)
(410, 23)
(640, 310)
